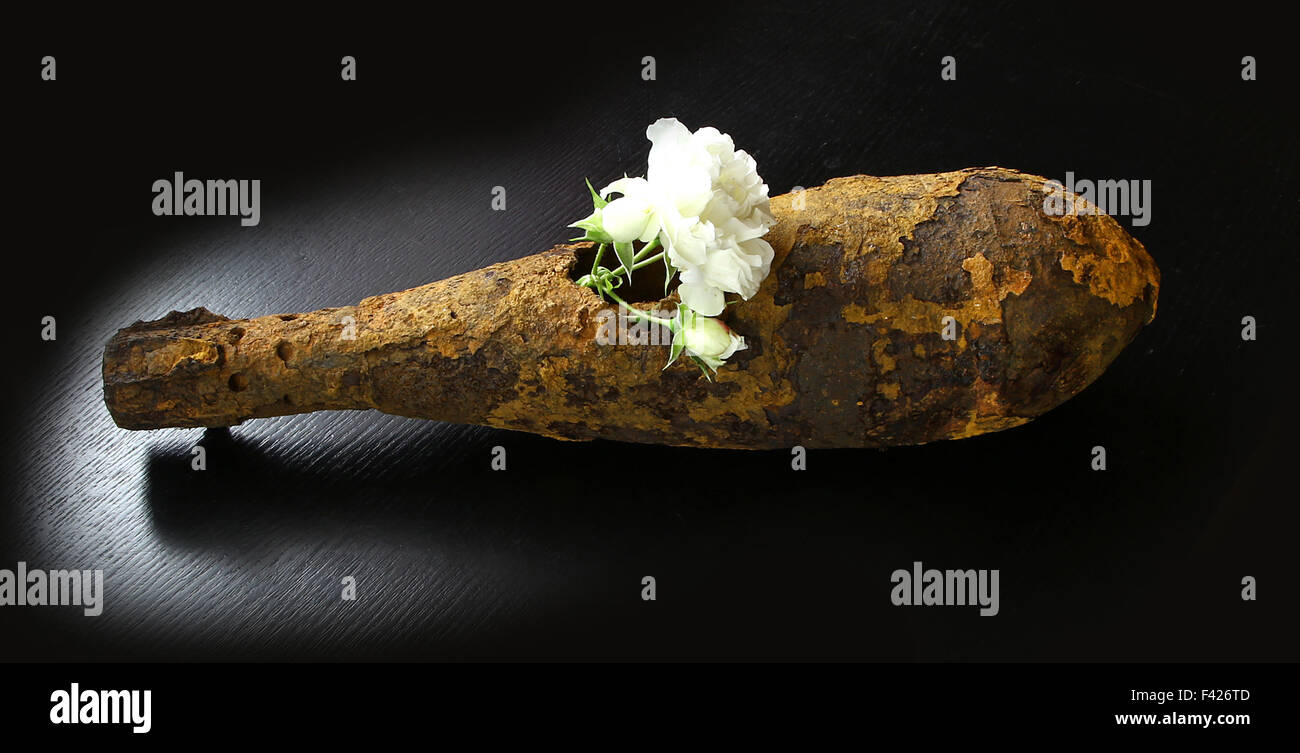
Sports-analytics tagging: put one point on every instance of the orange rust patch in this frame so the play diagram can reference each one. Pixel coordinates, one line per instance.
(887, 362)
(1110, 275)
(986, 301)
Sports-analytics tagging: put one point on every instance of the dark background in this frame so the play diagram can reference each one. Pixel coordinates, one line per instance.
(384, 183)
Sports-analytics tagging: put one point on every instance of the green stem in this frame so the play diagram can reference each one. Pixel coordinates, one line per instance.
(639, 313)
(600, 251)
(649, 261)
(651, 246)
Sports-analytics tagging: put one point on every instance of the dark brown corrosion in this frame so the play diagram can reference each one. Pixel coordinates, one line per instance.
(846, 345)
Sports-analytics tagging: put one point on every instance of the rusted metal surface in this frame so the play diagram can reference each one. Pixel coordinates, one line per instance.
(846, 345)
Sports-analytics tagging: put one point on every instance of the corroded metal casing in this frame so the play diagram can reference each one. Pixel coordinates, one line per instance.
(899, 310)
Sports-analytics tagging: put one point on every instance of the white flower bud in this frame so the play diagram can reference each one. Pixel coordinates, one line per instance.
(709, 339)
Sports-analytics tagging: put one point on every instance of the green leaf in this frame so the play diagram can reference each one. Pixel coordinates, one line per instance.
(594, 227)
(596, 201)
(679, 342)
(625, 256)
(704, 367)
(669, 271)
(595, 237)
(676, 351)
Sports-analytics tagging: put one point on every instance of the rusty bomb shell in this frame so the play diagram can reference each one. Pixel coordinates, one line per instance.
(846, 337)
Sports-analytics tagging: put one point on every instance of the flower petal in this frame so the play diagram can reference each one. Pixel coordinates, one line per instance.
(667, 132)
(626, 218)
(704, 299)
(628, 187)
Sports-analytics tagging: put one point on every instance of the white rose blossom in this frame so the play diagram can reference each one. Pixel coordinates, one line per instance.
(704, 205)
(705, 202)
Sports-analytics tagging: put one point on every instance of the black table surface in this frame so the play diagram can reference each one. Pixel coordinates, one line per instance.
(385, 183)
